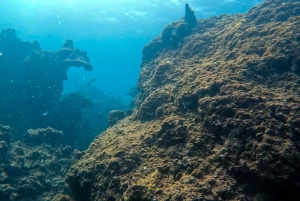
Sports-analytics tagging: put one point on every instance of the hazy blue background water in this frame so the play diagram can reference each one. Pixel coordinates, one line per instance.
(113, 32)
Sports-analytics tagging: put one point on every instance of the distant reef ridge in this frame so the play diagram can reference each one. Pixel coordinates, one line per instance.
(217, 116)
(31, 79)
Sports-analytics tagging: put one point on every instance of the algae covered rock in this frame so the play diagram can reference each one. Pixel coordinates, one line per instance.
(114, 116)
(217, 117)
(34, 171)
(61, 197)
(44, 135)
(172, 36)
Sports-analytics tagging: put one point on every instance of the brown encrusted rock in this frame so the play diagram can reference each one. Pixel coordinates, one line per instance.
(114, 116)
(61, 197)
(43, 135)
(33, 172)
(77, 154)
(217, 116)
(172, 36)
(275, 13)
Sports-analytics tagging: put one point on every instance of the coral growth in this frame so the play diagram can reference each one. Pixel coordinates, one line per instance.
(217, 116)
(34, 169)
(31, 79)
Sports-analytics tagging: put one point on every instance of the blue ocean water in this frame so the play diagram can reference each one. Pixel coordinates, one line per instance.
(113, 32)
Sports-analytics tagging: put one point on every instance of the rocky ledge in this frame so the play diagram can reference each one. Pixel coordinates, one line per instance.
(34, 168)
(217, 117)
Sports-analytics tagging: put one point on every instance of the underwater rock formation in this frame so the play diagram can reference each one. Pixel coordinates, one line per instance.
(217, 117)
(34, 170)
(43, 135)
(171, 37)
(189, 16)
(133, 92)
(114, 116)
(31, 79)
(67, 56)
(61, 197)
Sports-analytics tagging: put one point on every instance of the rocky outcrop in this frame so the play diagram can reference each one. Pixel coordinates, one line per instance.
(31, 79)
(40, 136)
(68, 56)
(114, 116)
(34, 169)
(61, 197)
(171, 37)
(189, 16)
(217, 116)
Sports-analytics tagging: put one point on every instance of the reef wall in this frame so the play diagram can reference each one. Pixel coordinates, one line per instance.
(31, 79)
(217, 118)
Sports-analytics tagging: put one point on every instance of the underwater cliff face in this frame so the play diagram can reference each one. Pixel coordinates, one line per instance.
(217, 118)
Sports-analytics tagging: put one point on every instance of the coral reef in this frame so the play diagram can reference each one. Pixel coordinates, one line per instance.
(61, 197)
(31, 79)
(217, 116)
(34, 169)
(47, 135)
(33, 165)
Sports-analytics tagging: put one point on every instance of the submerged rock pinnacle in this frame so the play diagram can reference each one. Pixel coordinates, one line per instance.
(190, 17)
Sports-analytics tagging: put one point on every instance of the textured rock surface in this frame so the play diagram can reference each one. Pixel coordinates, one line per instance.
(218, 117)
(61, 197)
(114, 116)
(34, 169)
(43, 135)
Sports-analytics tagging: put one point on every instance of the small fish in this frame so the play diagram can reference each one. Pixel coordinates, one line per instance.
(45, 113)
